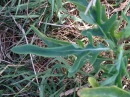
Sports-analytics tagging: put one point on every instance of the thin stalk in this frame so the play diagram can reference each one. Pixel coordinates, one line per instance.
(31, 57)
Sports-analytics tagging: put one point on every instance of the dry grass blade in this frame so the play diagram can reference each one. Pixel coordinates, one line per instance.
(71, 91)
(91, 3)
(31, 57)
(122, 6)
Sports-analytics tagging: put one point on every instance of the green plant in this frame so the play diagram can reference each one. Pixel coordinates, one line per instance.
(104, 28)
(61, 48)
(17, 76)
(97, 91)
(111, 91)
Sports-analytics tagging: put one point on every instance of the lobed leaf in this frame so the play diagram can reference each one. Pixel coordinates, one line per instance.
(46, 52)
(49, 41)
(55, 51)
(79, 62)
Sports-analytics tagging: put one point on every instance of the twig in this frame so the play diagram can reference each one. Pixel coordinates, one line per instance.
(122, 6)
(31, 57)
(92, 2)
(5, 61)
(69, 92)
(56, 25)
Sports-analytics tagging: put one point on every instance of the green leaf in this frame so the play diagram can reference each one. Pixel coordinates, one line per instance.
(96, 12)
(112, 91)
(25, 16)
(119, 60)
(96, 15)
(97, 63)
(110, 81)
(126, 30)
(52, 2)
(104, 16)
(118, 35)
(79, 62)
(46, 52)
(109, 23)
(81, 4)
(87, 18)
(94, 32)
(125, 63)
(80, 43)
(93, 82)
(58, 4)
(99, 11)
(55, 51)
(124, 16)
(90, 37)
(114, 30)
(49, 41)
(93, 57)
(82, 58)
(116, 77)
(112, 45)
(67, 50)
